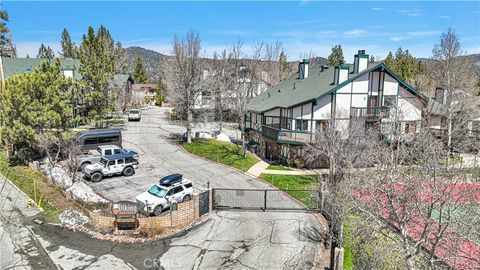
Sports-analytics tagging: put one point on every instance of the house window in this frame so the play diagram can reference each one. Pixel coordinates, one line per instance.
(68, 73)
(285, 151)
(299, 152)
(301, 125)
(321, 125)
(410, 127)
(389, 101)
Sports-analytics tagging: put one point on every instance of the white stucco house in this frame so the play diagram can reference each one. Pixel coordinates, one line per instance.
(284, 118)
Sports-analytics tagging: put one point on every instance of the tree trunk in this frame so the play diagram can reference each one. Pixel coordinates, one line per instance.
(220, 119)
(189, 126)
(449, 141)
(242, 130)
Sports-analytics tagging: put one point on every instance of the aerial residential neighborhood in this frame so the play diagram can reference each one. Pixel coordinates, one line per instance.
(240, 135)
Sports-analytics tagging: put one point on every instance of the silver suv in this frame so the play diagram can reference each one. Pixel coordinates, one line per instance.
(111, 165)
(134, 115)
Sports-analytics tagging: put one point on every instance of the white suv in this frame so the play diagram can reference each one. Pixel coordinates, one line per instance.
(111, 165)
(160, 196)
(134, 115)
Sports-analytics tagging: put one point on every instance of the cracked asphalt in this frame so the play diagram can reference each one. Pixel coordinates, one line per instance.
(227, 240)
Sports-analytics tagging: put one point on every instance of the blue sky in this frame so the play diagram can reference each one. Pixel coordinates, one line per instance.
(302, 27)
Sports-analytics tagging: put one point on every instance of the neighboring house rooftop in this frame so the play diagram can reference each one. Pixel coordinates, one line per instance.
(438, 108)
(15, 66)
(140, 86)
(294, 91)
(121, 79)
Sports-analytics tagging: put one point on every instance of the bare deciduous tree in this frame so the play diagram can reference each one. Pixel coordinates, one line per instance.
(221, 83)
(409, 190)
(186, 74)
(245, 80)
(456, 75)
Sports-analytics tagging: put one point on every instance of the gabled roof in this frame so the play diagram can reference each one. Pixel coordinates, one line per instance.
(438, 108)
(121, 79)
(292, 91)
(15, 66)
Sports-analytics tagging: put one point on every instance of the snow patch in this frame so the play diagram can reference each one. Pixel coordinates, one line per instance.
(72, 217)
(222, 137)
(82, 192)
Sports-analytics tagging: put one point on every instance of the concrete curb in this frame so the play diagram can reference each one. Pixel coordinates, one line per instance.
(21, 191)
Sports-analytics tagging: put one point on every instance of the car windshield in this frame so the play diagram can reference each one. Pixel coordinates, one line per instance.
(157, 191)
(134, 111)
(103, 161)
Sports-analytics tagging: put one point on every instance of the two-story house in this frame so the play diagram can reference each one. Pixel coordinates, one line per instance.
(284, 118)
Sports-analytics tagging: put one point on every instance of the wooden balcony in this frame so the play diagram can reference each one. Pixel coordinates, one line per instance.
(371, 114)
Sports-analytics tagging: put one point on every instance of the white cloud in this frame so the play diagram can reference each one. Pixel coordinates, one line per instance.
(355, 33)
(377, 9)
(423, 33)
(396, 39)
(411, 12)
(304, 2)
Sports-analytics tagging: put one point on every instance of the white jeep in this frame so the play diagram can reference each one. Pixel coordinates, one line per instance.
(160, 196)
(111, 165)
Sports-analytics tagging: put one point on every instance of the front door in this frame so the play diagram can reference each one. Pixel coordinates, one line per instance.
(271, 150)
(372, 101)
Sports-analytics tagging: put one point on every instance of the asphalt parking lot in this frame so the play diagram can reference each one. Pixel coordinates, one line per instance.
(229, 239)
(160, 156)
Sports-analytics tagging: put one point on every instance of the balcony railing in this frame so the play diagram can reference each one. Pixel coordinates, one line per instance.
(372, 113)
(287, 135)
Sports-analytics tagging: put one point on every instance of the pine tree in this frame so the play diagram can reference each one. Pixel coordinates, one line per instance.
(285, 69)
(336, 57)
(139, 74)
(6, 45)
(69, 50)
(97, 58)
(28, 56)
(405, 65)
(45, 52)
(121, 65)
(160, 91)
(37, 104)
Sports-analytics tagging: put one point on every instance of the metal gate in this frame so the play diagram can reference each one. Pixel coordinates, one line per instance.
(265, 199)
(203, 203)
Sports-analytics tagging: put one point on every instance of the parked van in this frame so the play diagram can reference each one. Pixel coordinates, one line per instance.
(90, 140)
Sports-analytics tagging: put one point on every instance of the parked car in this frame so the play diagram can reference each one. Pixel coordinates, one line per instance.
(104, 150)
(161, 195)
(111, 165)
(90, 140)
(134, 115)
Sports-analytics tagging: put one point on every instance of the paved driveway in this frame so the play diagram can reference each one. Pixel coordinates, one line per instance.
(238, 239)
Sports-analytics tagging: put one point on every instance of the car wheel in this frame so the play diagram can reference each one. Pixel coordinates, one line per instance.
(96, 177)
(84, 165)
(128, 171)
(158, 210)
(186, 198)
